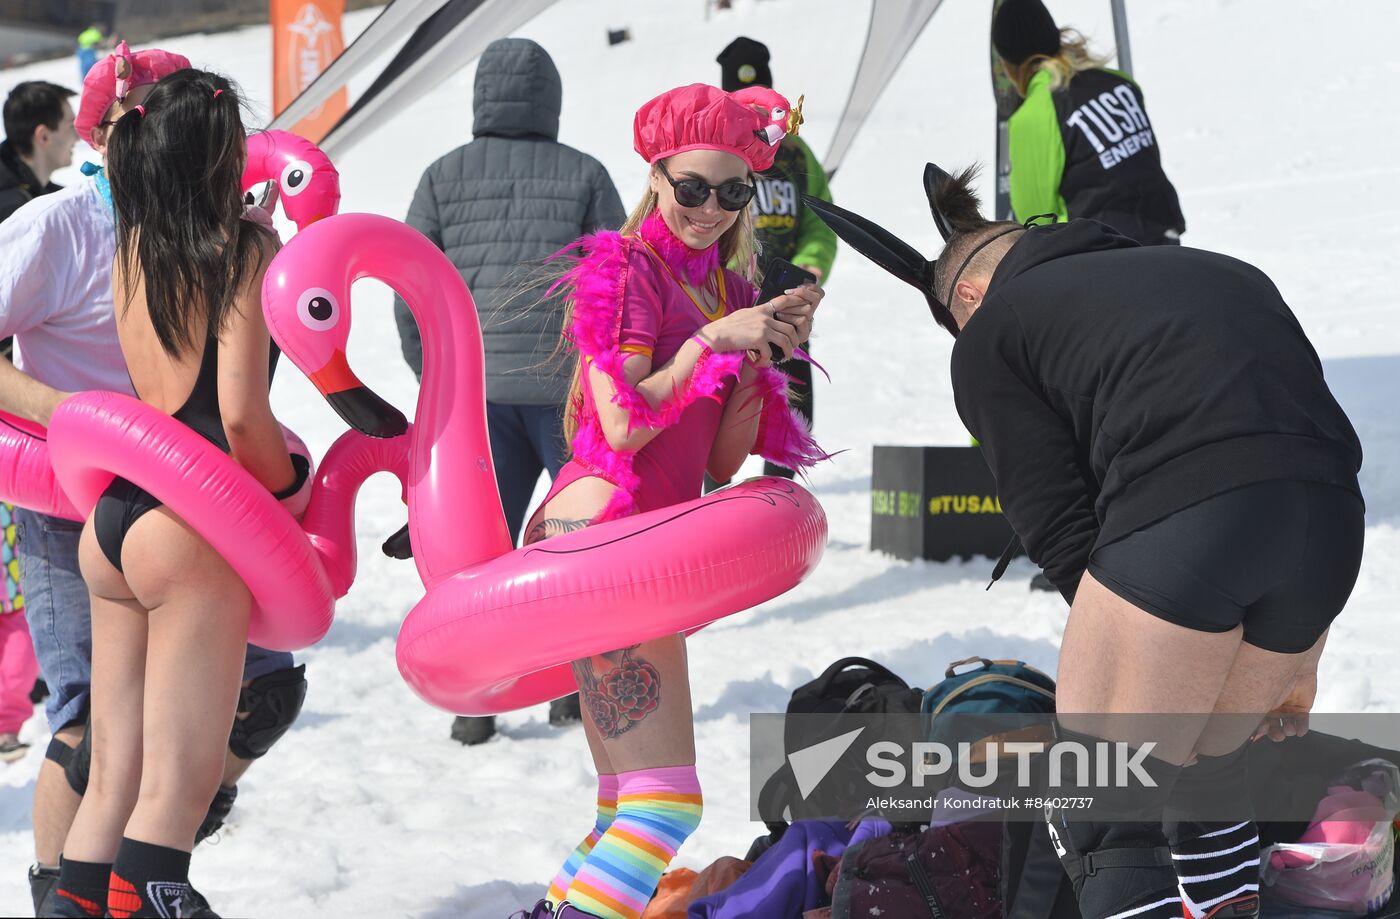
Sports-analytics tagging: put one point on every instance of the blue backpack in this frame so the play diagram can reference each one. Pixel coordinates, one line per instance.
(995, 688)
(1034, 886)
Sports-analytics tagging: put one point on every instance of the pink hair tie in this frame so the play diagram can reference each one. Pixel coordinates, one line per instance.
(140, 110)
(216, 93)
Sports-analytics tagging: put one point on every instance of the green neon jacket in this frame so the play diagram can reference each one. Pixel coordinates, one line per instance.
(1089, 150)
(785, 227)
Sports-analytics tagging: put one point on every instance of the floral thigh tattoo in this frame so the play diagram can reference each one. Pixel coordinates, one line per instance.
(621, 698)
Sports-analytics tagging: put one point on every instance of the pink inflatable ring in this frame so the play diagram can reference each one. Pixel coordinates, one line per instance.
(294, 571)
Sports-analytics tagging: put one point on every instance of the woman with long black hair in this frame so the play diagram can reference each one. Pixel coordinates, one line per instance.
(169, 615)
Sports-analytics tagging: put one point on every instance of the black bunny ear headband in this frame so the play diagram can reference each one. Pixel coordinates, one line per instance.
(895, 255)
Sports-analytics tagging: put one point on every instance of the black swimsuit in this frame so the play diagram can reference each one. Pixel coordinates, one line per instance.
(123, 503)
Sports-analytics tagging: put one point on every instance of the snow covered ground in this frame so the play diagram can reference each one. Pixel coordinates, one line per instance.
(1276, 126)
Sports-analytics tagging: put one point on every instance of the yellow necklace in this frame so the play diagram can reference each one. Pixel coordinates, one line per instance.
(711, 315)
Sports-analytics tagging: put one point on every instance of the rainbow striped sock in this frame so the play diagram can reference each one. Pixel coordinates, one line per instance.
(607, 810)
(656, 810)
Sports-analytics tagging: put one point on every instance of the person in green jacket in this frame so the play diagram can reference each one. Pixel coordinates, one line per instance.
(785, 227)
(89, 40)
(1081, 145)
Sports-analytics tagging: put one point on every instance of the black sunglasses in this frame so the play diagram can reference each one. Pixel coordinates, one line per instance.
(732, 196)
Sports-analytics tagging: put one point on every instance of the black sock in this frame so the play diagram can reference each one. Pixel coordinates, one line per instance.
(84, 883)
(148, 880)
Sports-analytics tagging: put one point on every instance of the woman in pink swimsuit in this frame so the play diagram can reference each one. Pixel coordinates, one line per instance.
(673, 380)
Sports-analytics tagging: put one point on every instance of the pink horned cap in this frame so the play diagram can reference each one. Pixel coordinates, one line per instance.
(119, 73)
(701, 117)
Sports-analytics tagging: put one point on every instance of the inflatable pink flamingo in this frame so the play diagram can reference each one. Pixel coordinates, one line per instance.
(302, 176)
(498, 626)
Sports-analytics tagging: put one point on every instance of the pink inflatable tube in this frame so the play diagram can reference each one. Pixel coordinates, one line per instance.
(26, 474)
(294, 572)
(498, 627)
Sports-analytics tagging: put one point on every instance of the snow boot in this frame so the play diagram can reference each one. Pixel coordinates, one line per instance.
(472, 731)
(565, 711)
(43, 881)
(218, 812)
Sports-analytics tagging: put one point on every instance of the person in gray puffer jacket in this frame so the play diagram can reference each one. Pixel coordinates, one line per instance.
(513, 196)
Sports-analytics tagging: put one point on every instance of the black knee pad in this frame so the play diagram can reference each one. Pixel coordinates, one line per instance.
(76, 762)
(272, 702)
(1116, 855)
(1110, 862)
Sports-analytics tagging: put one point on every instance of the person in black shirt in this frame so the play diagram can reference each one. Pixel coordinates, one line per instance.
(1168, 451)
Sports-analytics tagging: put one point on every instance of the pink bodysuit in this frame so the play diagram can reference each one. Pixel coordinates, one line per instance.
(626, 302)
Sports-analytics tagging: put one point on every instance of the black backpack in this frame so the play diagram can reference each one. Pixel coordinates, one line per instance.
(852, 685)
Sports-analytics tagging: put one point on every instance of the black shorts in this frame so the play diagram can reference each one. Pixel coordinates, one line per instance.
(1280, 558)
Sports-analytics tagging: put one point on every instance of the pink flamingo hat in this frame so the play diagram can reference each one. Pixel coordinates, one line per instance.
(111, 78)
(780, 117)
(701, 117)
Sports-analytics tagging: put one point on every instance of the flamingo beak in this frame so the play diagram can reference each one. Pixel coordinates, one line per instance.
(356, 403)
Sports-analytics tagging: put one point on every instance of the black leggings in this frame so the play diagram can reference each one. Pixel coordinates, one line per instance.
(1280, 558)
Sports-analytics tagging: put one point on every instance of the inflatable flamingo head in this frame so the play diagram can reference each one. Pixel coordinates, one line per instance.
(304, 179)
(780, 118)
(306, 302)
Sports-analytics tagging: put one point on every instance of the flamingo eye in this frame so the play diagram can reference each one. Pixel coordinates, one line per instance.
(779, 113)
(317, 309)
(296, 175)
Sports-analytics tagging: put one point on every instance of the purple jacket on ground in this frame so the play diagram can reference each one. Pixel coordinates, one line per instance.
(782, 884)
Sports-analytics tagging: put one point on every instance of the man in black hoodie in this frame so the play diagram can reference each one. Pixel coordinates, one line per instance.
(1165, 446)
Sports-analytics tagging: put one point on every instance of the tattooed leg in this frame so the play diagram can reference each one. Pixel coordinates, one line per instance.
(553, 526)
(622, 696)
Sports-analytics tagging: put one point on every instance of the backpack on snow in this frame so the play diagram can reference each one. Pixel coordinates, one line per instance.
(852, 685)
(1033, 884)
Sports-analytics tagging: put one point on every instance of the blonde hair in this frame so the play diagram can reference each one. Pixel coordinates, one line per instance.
(1073, 57)
(736, 248)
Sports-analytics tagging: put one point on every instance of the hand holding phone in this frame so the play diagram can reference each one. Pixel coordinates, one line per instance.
(781, 277)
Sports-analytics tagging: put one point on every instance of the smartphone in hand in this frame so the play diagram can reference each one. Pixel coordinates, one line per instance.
(781, 276)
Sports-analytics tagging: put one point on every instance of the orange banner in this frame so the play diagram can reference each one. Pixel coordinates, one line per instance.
(306, 37)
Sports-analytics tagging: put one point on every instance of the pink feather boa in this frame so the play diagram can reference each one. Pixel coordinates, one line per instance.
(599, 278)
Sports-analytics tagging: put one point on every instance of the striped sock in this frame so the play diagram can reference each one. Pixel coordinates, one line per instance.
(1214, 843)
(607, 810)
(656, 810)
(1215, 863)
